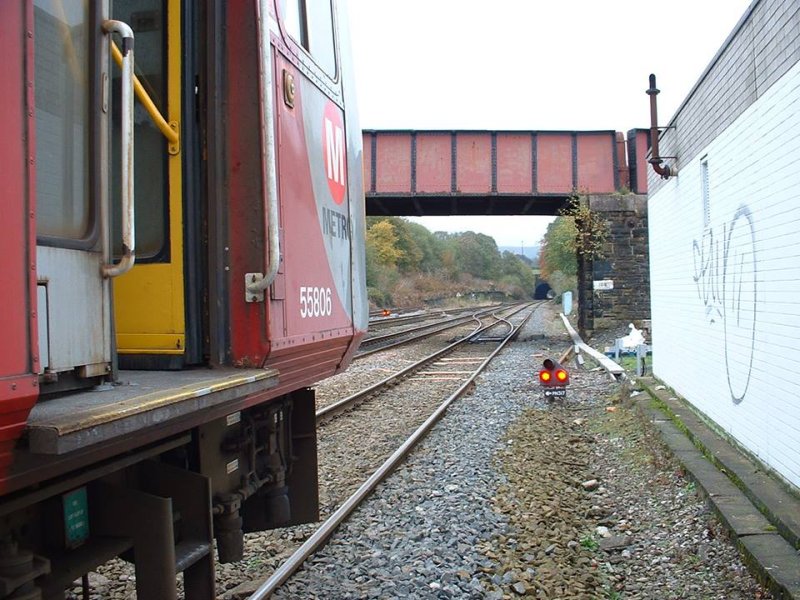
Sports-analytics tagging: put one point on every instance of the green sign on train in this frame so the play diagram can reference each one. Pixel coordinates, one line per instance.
(76, 517)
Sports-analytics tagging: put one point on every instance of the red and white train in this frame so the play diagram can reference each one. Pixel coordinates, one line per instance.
(182, 255)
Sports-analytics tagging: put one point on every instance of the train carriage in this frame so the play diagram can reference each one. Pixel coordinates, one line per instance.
(181, 258)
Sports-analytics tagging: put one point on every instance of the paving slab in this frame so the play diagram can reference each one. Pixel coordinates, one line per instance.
(768, 493)
(761, 514)
(778, 560)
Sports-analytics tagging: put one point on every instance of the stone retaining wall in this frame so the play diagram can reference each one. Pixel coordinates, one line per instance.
(624, 269)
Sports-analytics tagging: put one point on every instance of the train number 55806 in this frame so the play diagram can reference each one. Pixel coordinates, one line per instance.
(315, 302)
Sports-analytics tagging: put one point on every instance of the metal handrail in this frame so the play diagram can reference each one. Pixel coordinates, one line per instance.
(126, 138)
(256, 283)
(143, 97)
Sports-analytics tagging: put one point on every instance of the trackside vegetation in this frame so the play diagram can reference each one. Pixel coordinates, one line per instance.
(407, 264)
(577, 231)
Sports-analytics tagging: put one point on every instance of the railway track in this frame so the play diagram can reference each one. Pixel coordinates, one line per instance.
(381, 322)
(379, 343)
(427, 530)
(349, 447)
(413, 404)
(441, 366)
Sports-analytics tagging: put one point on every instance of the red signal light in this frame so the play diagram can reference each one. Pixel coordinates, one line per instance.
(552, 374)
(554, 379)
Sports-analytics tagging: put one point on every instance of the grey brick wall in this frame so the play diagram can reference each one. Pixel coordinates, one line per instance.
(763, 46)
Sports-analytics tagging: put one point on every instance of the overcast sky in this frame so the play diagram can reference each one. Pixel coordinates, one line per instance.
(528, 64)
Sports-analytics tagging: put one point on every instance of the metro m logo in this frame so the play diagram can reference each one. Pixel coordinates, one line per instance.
(333, 149)
(334, 142)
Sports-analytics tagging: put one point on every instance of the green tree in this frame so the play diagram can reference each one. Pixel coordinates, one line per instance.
(382, 255)
(591, 229)
(410, 253)
(558, 249)
(383, 239)
(406, 263)
(428, 244)
(578, 231)
(518, 278)
(476, 254)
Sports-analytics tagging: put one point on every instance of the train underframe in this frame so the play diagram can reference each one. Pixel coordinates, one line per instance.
(162, 505)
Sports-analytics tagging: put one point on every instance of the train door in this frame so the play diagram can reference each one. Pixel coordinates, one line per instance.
(80, 183)
(315, 296)
(149, 302)
(71, 158)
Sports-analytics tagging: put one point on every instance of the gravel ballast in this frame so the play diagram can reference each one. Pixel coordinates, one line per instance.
(513, 496)
(510, 496)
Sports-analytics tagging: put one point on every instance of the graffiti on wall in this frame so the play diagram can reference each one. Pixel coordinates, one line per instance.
(726, 279)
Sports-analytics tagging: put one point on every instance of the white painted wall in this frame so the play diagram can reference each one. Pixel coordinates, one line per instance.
(726, 296)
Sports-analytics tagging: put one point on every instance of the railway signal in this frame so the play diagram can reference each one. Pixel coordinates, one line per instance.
(554, 378)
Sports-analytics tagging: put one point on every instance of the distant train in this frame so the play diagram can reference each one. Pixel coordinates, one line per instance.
(182, 256)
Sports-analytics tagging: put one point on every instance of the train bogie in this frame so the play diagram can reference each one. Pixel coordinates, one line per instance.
(182, 257)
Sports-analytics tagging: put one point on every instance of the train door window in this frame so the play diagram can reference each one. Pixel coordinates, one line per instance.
(147, 19)
(312, 29)
(294, 20)
(62, 72)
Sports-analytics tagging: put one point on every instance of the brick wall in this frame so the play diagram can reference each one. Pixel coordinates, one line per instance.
(763, 46)
(724, 243)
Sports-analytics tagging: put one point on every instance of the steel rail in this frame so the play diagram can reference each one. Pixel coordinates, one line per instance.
(320, 536)
(500, 320)
(405, 319)
(396, 334)
(441, 327)
(376, 324)
(410, 312)
(337, 408)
